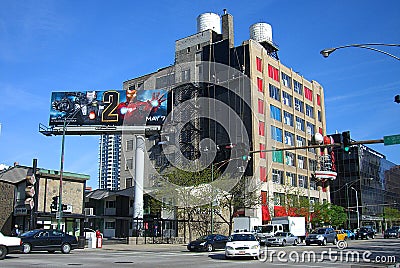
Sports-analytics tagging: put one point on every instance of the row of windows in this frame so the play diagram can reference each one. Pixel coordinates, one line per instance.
(292, 179)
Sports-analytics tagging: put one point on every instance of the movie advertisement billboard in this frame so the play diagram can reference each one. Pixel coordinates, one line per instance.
(111, 107)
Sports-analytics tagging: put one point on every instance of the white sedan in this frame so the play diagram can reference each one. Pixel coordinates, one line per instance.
(242, 244)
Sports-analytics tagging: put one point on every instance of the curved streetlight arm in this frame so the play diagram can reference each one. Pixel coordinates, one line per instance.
(326, 52)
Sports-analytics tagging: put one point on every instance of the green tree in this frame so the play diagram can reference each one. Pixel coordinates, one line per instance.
(391, 215)
(328, 214)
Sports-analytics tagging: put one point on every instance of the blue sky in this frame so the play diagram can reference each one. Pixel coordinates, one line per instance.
(75, 45)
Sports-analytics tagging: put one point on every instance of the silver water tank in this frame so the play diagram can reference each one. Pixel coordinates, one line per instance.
(261, 32)
(209, 21)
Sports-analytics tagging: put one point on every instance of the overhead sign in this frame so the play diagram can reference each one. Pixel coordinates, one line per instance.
(391, 140)
(111, 107)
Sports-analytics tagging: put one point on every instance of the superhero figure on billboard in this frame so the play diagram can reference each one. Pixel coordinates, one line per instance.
(135, 111)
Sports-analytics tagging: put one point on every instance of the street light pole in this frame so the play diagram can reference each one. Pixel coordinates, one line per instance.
(61, 175)
(371, 46)
(358, 212)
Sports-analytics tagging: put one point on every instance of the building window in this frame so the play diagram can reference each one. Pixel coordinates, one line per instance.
(109, 225)
(313, 185)
(303, 181)
(261, 128)
(277, 176)
(287, 99)
(319, 99)
(298, 105)
(300, 141)
(290, 159)
(260, 85)
(262, 148)
(273, 73)
(110, 204)
(297, 87)
(274, 92)
(275, 113)
(301, 162)
(312, 164)
(277, 156)
(289, 138)
(129, 145)
(276, 134)
(319, 116)
(129, 164)
(310, 128)
(308, 93)
(185, 75)
(300, 123)
(286, 80)
(260, 106)
(264, 201)
(279, 199)
(291, 177)
(288, 118)
(309, 111)
(263, 174)
(128, 182)
(259, 64)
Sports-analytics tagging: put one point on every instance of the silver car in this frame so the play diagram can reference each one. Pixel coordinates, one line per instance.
(282, 239)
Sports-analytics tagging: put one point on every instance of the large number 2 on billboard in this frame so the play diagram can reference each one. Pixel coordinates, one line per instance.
(110, 99)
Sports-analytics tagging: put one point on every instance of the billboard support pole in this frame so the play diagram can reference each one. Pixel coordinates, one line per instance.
(61, 175)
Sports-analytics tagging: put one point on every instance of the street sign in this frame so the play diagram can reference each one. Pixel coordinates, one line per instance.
(391, 140)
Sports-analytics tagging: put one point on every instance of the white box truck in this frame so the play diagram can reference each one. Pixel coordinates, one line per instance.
(294, 225)
(245, 224)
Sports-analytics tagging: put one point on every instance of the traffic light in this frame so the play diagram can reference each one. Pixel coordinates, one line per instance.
(242, 151)
(346, 141)
(54, 204)
(397, 98)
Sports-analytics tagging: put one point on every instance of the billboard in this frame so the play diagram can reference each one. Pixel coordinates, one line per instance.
(111, 107)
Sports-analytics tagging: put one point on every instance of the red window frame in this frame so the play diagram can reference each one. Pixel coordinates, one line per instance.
(261, 128)
(308, 93)
(263, 174)
(319, 99)
(260, 106)
(262, 154)
(260, 84)
(259, 64)
(273, 72)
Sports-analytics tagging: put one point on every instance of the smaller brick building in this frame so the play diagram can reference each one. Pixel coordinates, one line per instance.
(27, 197)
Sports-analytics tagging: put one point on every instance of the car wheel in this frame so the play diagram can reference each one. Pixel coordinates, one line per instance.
(3, 252)
(367, 237)
(295, 242)
(373, 236)
(210, 248)
(335, 241)
(26, 248)
(324, 242)
(307, 243)
(66, 248)
(283, 243)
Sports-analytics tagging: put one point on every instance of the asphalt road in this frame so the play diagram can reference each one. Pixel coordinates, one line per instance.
(367, 253)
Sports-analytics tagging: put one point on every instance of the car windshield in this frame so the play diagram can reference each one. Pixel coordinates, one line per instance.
(280, 234)
(242, 237)
(264, 229)
(319, 231)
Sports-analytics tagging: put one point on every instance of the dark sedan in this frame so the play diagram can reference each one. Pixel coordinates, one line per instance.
(48, 240)
(208, 243)
(365, 233)
(391, 232)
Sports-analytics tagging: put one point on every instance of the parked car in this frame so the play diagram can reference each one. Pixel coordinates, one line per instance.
(322, 236)
(9, 244)
(208, 243)
(350, 234)
(50, 240)
(365, 232)
(391, 232)
(282, 239)
(341, 235)
(243, 244)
